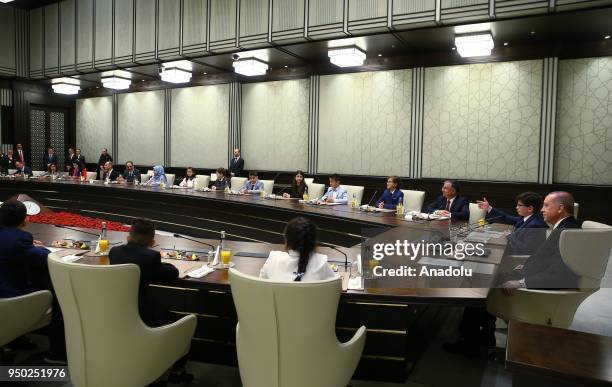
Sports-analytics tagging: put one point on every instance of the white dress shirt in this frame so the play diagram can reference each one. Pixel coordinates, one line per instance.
(188, 183)
(282, 266)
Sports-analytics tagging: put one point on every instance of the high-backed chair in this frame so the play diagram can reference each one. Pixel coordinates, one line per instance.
(91, 175)
(286, 336)
(106, 341)
(586, 252)
(237, 182)
(413, 200)
(357, 190)
(144, 177)
(170, 177)
(11, 171)
(38, 173)
(476, 213)
(309, 180)
(315, 190)
(24, 314)
(576, 208)
(213, 177)
(202, 181)
(268, 186)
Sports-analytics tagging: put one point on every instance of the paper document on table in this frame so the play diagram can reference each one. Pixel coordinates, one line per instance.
(183, 267)
(52, 249)
(355, 283)
(71, 258)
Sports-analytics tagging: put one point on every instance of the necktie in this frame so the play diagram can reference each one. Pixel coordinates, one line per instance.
(447, 208)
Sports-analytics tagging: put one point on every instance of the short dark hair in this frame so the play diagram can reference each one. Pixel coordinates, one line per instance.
(336, 177)
(221, 170)
(12, 213)
(142, 231)
(530, 199)
(455, 184)
(253, 174)
(396, 180)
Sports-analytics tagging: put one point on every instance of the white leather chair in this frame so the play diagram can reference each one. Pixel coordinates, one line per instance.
(476, 213)
(11, 171)
(315, 190)
(24, 314)
(91, 175)
(107, 343)
(237, 182)
(170, 177)
(576, 208)
(309, 180)
(586, 252)
(144, 177)
(413, 200)
(268, 186)
(286, 336)
(357, 190)
(213, 177)
(38, 173)
(202, 181)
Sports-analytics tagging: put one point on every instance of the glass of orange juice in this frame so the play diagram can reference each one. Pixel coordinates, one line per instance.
(225, 257)
(103, 246)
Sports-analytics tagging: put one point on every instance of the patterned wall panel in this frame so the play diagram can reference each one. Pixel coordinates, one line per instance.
(141, 127)
(364, 123)
(583, 151)
(482, 121)
(38, 136)
(94, 126)
(57, 129)
(199, 124)
(275, 125)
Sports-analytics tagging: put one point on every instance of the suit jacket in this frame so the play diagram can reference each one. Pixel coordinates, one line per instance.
(135, 176)
(220, 184)
(236, 167)
(19, 258)
(391, 200)
(104, 158)
(52, 159)
(26, 171)
(79, 158)
(152, 270)
(17, 158)
(460, 209)
(113, 175)
(545, 268)
(527, 236)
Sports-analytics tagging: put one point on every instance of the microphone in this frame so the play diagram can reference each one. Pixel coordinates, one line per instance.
(194, 240)
(76, 229)
(333, 247)
(372, 198)
(281, 191)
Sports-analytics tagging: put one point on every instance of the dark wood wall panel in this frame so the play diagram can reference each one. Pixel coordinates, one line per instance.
(8, 65)
(51, 39)
(36, 43)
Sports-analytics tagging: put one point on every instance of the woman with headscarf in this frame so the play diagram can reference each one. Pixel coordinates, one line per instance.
(159, 177)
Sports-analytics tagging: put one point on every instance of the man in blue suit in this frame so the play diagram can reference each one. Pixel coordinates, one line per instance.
(450, 203)
(22, 170)
(525, 239)
(50, 158)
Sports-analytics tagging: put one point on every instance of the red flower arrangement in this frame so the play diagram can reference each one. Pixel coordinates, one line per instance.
(75, 220)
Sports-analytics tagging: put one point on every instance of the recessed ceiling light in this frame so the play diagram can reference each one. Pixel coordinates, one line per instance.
(116, 80)
(286, 66)
(65, 85)
(176, 72)
(250, 66)
(346, 56)
(505, 43)
(607, 37)
(474, 44)
(379, 54)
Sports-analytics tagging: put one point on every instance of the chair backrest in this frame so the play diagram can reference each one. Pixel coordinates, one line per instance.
(576, 208)
(100, 309)
(476, 213)
(268, 186)
(144, 177)
(315, 190)
(170, 177)
(590, 224)
(213, 177)
(237, 182)
(587, 252)
(202, 181)
(285, 329)
(150, 172)
(413, 200)
(309, 180)
(354, 189)
(91, 175)
(12, 170)
(38, 173)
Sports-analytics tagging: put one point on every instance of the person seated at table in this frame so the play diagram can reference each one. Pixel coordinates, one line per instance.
(102, 160)
(7, 161)
(109, 173)
(298, 186)
(158, 178)
(22, 170)
(23, 269)
(190, 178)
(522, 241)
(52, 171)
(130, 174)
(450, 203)
(299, 261)
(392, 196)
(335, 193)
(138, 251)
(222, 180)
(78, 169)
(253, 185)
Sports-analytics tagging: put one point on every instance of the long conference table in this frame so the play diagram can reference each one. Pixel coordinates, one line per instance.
(400, 320)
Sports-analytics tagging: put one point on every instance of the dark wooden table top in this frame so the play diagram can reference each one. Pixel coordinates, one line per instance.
(570, 356)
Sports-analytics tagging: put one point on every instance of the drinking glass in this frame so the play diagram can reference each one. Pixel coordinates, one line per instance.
(225, 257)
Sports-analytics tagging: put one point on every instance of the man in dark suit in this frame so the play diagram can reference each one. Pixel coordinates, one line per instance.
(70, 157)
(236, 164)
(20, 154)
(22, 170)
(104, 158)
(131, 174)
(49, 158)
(4, 163)
(152, 269)
(109, 173)
(525, 239)
(23, 269)
(78, 157)
(450, 203)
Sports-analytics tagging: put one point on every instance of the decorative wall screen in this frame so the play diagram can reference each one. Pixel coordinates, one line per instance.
(47, 128)
(38, 138)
